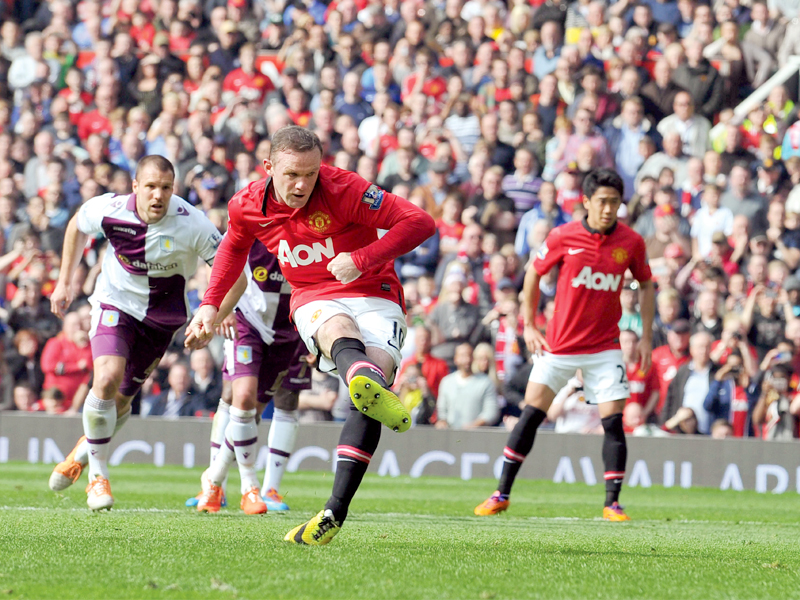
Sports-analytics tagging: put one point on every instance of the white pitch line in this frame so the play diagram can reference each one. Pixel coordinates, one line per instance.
(570, 519)
(371, 515)
(86, 509)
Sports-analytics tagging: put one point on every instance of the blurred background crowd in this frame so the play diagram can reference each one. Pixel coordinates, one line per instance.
(486, 114)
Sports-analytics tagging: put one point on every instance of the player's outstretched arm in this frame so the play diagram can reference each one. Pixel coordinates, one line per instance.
(74, 243)
(647, 301)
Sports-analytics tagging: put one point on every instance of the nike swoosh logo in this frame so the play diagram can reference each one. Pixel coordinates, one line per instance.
(267, 223)
(574, 251)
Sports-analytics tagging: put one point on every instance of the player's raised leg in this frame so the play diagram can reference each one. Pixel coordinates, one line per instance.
(340, 340)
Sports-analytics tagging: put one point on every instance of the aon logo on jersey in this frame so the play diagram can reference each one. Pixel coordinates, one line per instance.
(601, 282)
(303, 255)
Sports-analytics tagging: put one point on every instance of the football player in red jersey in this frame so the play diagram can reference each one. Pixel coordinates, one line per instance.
(347, 303)
(593, 256)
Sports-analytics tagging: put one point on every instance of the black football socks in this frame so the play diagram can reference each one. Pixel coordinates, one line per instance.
(357, 443)
(519, 445)
(615, 453)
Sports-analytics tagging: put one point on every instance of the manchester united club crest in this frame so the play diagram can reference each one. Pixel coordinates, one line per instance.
(319, 221)
(620, 255)
(316, 315)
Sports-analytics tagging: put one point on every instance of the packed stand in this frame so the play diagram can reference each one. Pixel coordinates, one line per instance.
(488, 115)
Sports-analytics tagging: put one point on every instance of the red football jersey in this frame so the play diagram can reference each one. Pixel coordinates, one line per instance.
(665, 366)
(343, 214)
(739, 412)
(255, 87)
(590, 278)
(641, 384)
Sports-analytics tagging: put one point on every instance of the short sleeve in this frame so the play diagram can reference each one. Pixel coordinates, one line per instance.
(208, 239)
(550, 253)
(91, 214)
(639, 267)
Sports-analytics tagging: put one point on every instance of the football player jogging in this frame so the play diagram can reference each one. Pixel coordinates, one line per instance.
(592, 256)
(155, 240)
(264, 360)
(347, 303)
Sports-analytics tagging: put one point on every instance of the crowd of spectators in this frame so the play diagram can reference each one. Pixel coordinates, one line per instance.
(486, 114)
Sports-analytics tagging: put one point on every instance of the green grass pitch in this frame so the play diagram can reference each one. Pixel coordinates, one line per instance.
(405, 538)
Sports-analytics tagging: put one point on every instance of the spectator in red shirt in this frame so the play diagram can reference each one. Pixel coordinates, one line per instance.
(97, 121)
(450, 227)
(667, 359)
(644, 386)
(75, 94)
(733, 337)
(67, 363)
(298, 112)
(422, 80)
(181, 36)
(246, 81)
(433, 369)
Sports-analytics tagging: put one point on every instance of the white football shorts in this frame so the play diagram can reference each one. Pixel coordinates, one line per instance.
(604, 376)
(381, 322)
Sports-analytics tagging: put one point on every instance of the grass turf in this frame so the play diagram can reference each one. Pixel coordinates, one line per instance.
(405, 538)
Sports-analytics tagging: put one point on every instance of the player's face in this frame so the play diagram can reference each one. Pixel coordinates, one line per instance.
(153, 189)
(602, 208)
(294, 176)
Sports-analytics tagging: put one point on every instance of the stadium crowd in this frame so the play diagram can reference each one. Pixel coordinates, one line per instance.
(485, 114)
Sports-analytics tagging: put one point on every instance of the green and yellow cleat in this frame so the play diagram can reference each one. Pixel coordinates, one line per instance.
(379, 403)
(317, 532)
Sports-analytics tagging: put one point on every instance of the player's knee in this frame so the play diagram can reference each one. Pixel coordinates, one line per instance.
(245, 393)
(539, 396)
(246, 401)
(286, 399)
(106, 383)
(338, 326)
(612, 424)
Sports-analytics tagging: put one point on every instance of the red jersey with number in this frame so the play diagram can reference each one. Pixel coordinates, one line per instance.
(641, 384)
(590, 278)
(665, 366)
(343, 214)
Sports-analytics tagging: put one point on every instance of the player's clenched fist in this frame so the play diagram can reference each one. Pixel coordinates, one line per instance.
(534, 340)
(343, 268)
(60, 299)
(201, 329)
